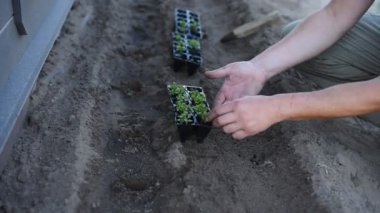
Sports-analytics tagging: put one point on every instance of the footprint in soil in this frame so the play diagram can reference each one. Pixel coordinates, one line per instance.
(2, 209)
(163, 134)
(134, 181)
(133, 133)
(143, 171)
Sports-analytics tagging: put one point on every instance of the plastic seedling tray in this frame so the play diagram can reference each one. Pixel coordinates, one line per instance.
(186, 52)
(190, 111)
(187, 22)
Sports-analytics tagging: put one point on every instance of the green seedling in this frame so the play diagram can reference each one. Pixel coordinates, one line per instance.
(194, 25)
(183, 109)
(197, 97)
(180, 48)
(179, 38)
(200, 104)
(194, 44)
(176, 90)
(182, 106)
(184, 118)
(182, 26)
(181, 98)
(202, 111)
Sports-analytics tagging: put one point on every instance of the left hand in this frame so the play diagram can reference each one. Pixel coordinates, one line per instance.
(240, 79)
(247, 116)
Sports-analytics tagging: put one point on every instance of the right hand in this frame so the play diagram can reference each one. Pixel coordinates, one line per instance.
(250, 115)
(240, 79)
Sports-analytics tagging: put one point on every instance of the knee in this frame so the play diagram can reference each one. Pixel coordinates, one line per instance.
(289, 27)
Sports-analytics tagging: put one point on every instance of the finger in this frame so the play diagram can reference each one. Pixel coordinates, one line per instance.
(224, 119)
(220, 110)
(239, 135)
(218, 73)
(231, 128)
(235, 96)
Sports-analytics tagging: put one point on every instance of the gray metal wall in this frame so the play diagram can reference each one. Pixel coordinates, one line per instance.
(5, 12)
(12, 45)
(21, 58)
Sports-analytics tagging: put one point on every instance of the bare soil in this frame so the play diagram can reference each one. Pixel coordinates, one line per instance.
(100, 134)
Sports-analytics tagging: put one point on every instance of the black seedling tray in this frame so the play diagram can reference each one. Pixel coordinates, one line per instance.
(191, 23)
(186, 56)
(195, 126)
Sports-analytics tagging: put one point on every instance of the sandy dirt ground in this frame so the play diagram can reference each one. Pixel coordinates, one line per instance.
(100, 137)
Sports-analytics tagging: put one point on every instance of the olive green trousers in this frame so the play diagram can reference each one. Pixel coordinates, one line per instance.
(355, 57)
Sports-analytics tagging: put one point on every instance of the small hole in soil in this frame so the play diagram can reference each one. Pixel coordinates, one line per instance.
(29, 120)
(3, 210)
(257, 160)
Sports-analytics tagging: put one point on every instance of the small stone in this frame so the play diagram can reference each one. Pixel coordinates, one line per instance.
(72, 119)
(175, 157)
(269, 164)
(308, 180)
(188, 190)
(23, 176)
(110, 161)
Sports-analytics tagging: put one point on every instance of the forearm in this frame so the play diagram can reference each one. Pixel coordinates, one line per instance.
(344, 100)
(314, 35)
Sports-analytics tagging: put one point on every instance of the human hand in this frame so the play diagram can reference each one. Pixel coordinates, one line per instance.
(241, 79)
(249, 115)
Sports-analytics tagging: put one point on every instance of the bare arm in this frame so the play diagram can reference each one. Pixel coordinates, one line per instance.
(343, 100)
(314, 35)
(250, 115)
(241, 114)
(318, 32)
